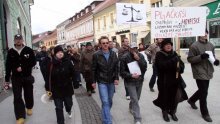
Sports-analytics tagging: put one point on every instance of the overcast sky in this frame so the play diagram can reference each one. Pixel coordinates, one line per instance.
(47, 14)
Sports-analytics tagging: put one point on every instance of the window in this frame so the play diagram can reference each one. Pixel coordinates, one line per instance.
(25, 33)
(104, 21)
(214, 33)
(186, 42)
(87, 10)
(93, 6)
(18, 26)
(157, 4)
(141, 1)
(98, 24)
(112, 18)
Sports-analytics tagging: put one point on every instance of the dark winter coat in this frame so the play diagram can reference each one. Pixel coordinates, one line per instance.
(61, 77)
(124, 71)
(75, 58)
(202, 69)
(40, 57)
(26, 60)
(105, 71)
(167, 82)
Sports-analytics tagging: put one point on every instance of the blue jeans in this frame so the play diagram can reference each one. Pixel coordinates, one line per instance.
(106, 92)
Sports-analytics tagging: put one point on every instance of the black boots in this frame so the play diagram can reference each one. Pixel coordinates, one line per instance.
(165, 116)
(192, 104)
(207, 118)
(173, 115)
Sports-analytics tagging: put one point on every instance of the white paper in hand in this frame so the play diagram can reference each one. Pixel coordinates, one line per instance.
(134, 68)
(211, 56)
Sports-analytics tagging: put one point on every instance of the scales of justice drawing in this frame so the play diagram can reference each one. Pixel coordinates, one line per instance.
(132, 10)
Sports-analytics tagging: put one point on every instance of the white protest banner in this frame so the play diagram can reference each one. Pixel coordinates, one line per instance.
(128, 13)
(169, 22)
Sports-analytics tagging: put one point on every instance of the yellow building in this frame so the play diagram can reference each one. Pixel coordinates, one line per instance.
(105, 23)
(50, 39)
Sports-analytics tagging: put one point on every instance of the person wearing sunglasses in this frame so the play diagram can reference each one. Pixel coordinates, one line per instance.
(105, 73)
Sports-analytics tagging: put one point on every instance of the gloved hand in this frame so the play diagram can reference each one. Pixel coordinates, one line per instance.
(204, 56)
(216, 62)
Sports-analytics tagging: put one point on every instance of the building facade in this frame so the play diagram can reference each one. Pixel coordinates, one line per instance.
(81, 29)
(61, 31)
(15, 18)
(105, 22)
(50, 39)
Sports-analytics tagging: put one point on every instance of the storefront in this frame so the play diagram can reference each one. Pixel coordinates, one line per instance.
(213, 22)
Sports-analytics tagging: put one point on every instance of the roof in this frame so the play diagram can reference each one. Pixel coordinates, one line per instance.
(39, 37)
(104, 5)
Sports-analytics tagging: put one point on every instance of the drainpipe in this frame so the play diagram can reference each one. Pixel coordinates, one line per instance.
(2, 38)
(2, 23)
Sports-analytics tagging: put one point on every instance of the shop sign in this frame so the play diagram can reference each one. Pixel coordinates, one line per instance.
(213, 10)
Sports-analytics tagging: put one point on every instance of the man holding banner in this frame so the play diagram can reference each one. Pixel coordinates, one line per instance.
(202, 69)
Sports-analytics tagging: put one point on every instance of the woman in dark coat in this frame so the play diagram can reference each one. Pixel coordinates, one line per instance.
(61, 69)
(170, 88)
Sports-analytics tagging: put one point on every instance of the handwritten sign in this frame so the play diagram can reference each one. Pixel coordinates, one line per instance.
(168, 22)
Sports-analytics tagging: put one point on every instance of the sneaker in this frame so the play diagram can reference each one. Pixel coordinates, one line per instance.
(20, 121)
(70, 114)
(152, 89)
(192, 104)
(89, 93)
(128, 97)
(207, 118)
(29, 112)
(138, 122)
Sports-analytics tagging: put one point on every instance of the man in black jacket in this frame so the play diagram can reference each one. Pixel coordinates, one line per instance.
(133, 81)
(19, 63)
(105, 73)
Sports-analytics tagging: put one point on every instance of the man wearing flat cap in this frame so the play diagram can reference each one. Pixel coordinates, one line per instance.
(86, 67)
(19, 63)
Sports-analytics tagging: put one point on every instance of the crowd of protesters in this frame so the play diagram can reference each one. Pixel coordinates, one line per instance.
(101, 65)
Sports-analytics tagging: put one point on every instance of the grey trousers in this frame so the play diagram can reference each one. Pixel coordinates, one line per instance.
(134, 90)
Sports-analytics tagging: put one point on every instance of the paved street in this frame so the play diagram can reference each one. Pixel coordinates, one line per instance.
(86, 110)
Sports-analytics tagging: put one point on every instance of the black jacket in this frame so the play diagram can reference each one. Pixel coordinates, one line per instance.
(167, 83)
(26, 60)
(61, 77)
(105, 71)
(124, 71)
(41, 56)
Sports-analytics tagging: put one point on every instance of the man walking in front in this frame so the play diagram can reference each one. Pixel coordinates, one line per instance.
(19, 63)
(202, 70)
(133, 81)
(105, 73)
